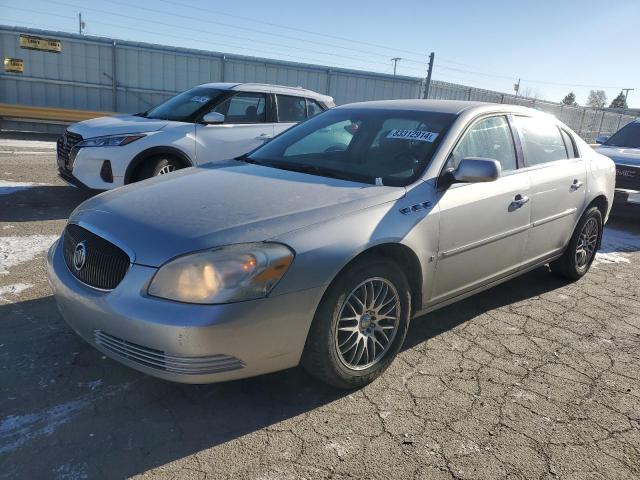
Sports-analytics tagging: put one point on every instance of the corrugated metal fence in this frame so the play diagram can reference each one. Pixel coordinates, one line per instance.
(103, 74)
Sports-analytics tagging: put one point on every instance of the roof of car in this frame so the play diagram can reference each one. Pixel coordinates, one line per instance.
(442, 106)
(268, 88)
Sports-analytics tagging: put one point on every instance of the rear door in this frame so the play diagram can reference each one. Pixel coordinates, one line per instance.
(247, 125)
(290, 111)
(483, 226)
(558, 183)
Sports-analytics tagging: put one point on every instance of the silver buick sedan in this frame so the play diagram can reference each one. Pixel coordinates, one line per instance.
(319, 247)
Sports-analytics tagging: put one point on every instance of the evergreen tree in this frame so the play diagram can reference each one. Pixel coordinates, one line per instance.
(619, 102)
(570, 99)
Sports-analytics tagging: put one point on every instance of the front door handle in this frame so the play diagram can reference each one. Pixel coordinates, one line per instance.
(519, 200)
(576, 184)
(264, 136)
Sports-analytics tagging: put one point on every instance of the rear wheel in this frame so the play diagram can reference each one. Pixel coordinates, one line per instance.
(581, 251)
(158, 166)
(360, 324)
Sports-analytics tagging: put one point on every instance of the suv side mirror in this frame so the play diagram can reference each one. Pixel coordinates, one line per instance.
(213, 118)
(474, 170)
(600, 139)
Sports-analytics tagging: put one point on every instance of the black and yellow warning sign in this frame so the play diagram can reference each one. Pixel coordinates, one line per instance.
(13, 65)
(40, 43)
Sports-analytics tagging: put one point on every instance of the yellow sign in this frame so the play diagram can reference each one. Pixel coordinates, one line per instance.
(15, 65)
(40, 43)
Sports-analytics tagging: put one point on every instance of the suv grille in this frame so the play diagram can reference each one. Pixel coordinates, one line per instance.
(104, 265)
(627, 177)
(64, 145)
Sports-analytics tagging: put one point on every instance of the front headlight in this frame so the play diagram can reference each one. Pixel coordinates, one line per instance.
(223, 275)
(110, 141)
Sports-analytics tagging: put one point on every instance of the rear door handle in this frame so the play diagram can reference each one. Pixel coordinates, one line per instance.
(519, 200)
(576, 184)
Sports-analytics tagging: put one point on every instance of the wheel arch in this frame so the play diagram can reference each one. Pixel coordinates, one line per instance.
(404, 257)
(145, 155)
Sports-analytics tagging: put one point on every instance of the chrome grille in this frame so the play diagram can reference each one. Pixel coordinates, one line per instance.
(169, 362)
(105, 264)
(64, 145)
(627, 177)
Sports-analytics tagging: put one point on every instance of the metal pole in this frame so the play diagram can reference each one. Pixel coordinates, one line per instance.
(502, 98)
(328, 81)
(619, 121)
(114, 82)
(223, 64)
(395, 61)
(584, 111)
(80, 23)
(517, 88)
(600, 127)
(427, 85)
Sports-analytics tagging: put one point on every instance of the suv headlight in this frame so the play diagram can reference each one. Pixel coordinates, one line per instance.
(109, 141)
(223, 275)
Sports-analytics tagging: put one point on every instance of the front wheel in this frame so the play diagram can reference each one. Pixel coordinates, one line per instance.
(360, 324)
(159, 166)
(581, 251)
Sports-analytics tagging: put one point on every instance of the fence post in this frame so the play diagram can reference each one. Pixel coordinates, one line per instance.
(114, 78)
(600, 127)
(223, 65)
(469, 94)
(619, 121)
(328, 81)
(584, 111)
(561, 111)
(502, 98)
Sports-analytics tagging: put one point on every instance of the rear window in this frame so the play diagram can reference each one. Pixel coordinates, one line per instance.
(291, 109)
(628, 136)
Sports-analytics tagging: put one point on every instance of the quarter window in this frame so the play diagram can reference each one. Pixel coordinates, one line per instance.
(541, 141)
(244, 108)
(313, 108)
(488, 138)
(568, 142)
(291, 109)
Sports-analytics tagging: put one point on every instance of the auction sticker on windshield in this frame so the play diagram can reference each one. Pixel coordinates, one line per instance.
(419, 135)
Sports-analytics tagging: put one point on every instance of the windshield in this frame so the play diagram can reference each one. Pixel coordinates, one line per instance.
(628, 136)
(181, 107)
(388, 147)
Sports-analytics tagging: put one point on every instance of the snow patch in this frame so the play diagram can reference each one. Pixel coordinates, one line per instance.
(14, 289)
(616, 243)
(16, 430)
(14, 143)
(17, 250)
(7, 188)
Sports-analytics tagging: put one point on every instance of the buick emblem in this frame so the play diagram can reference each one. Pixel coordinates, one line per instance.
(80, 256)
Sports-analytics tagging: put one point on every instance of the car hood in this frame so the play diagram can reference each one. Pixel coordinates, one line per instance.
(116, 125)
(626, 156)
(231, 202)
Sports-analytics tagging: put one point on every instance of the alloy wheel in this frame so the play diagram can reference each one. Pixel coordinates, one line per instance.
(166, 169)
(367, 323)
(587, 242)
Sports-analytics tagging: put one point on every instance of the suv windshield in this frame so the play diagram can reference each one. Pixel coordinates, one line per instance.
(391, 147)
(628, 136)
(181, 107)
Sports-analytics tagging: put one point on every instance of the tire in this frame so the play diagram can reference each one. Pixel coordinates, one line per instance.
(573, 265)
(323, 357)
(158, 166)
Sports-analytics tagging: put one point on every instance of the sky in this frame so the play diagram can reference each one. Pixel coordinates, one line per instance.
(554, 47)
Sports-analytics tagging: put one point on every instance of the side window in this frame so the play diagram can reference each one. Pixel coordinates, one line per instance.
(332, 138)
(244, 107)
(313, 108)
(291, 109)
(541, 141)
(568, 143)
(487, 138)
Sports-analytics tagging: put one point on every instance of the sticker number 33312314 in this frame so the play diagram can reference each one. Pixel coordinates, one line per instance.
(419, 135)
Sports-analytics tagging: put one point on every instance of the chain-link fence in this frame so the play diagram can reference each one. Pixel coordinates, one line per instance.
(587, 122)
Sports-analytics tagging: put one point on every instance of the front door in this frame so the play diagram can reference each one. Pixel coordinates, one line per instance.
(483, 226)
(558, 184)
(245, 128)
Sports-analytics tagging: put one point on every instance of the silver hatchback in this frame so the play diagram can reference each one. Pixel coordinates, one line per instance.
(320, 246)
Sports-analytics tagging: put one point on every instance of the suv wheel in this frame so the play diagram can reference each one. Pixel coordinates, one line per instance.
(360, 324)
(581, 251)
(159, 166)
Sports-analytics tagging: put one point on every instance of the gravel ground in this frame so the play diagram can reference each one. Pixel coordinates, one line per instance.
(536, 379)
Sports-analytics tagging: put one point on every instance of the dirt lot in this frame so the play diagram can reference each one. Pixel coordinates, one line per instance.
(536, 379)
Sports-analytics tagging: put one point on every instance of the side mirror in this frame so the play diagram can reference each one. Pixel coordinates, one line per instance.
(600, 139)
(474, 170)
(213, 118)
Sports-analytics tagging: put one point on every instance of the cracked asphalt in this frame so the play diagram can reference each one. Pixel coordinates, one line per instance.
(534, 379)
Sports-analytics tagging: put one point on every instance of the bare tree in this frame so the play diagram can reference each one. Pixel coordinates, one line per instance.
(597, 99)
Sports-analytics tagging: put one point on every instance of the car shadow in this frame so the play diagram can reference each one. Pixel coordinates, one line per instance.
(128, 422)
(41, 202)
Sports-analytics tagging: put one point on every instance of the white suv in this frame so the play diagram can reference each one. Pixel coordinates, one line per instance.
(210, 122)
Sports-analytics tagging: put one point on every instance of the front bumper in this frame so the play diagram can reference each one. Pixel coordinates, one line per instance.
(626, 203)
(183, 342)
(83, 168)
